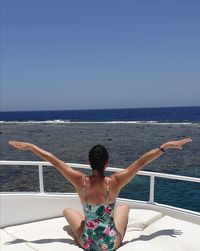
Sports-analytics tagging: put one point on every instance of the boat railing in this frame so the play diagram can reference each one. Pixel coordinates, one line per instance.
(152, 175)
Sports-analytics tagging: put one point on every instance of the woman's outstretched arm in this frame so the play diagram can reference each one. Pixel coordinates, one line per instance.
(69, 173)
(123, 177)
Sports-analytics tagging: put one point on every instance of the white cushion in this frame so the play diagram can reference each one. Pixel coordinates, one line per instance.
(166, 234)
(138, 220)
(47, 235)
(186, 238)
(146, 230)
(141, 218)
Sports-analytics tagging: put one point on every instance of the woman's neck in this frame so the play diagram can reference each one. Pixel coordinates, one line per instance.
(97, 175)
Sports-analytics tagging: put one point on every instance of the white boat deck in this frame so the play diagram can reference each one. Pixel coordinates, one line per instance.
(146, 230)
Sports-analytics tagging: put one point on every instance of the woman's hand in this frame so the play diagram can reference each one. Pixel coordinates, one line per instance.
(178, 144)
(20, 145)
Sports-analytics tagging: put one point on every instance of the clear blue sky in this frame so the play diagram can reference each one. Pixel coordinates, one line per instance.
(86, 54)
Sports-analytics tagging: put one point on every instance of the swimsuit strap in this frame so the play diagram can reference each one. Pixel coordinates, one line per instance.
(84, 189)
(107, 190)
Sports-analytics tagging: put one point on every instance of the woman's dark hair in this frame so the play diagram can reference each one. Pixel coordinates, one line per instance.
(98, 156)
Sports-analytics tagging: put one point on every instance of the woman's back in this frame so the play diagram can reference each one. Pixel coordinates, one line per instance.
(97, 190)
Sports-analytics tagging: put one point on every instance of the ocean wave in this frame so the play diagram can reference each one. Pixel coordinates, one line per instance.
(58, 121)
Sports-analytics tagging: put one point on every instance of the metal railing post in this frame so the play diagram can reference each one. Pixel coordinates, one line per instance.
(151, 192)
(41, 181)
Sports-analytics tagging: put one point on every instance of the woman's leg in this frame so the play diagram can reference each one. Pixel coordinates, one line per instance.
(76, 221)
(121, 220)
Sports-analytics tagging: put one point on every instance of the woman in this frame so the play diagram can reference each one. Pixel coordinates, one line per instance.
(102, 226)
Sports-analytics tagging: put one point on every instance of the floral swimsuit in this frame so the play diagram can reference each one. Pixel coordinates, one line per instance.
(99, 230)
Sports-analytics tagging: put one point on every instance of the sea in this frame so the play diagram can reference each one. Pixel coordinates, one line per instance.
(132, 115)
(111, 124)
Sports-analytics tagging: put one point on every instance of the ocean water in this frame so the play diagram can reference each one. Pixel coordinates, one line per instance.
(69, 135)
(151, 115)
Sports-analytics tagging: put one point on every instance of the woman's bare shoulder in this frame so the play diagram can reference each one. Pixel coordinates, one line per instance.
(112, 181)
